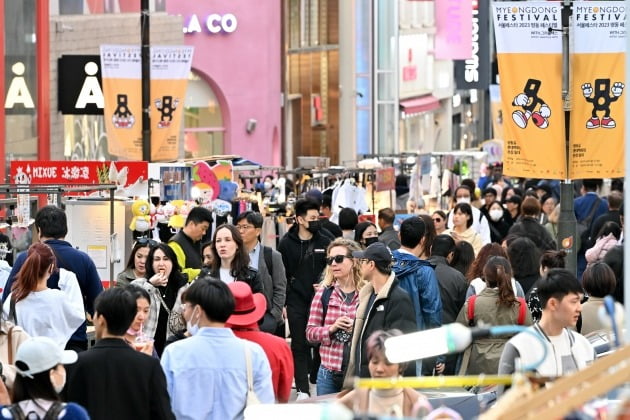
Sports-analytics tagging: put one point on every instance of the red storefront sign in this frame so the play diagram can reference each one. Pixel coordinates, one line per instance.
(78, 172)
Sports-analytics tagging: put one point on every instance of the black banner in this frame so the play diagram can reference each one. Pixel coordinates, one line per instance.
(474, 73)
(80, 88)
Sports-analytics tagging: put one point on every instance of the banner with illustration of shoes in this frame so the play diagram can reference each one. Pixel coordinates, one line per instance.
(122, 88)
(530, 69)
(598, 90)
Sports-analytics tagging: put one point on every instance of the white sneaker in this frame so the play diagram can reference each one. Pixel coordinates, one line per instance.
(302, 396)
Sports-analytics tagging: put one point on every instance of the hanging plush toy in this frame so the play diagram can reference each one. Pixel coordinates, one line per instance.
(141, 221)
(177, 220)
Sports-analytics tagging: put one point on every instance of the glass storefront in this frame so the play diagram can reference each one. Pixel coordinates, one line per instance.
(20, 123)
(203, 119)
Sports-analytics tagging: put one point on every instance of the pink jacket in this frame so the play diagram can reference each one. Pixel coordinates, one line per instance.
(601, 247)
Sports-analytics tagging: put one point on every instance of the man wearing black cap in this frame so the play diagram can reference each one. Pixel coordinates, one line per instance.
(383, 305)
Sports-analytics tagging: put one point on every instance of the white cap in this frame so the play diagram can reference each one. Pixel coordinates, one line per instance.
(39, 354)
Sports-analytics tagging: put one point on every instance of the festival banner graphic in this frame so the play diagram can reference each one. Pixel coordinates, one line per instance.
(598, 90)
(122, 87)
(530, 67)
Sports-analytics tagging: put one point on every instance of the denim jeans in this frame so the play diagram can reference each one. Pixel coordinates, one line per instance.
(328, 381)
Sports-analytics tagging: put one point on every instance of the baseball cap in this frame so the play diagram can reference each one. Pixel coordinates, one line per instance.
(39, 354)
(376, 252)
(315, 194)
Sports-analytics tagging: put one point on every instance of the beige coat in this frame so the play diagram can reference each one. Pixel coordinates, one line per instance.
(18, 336)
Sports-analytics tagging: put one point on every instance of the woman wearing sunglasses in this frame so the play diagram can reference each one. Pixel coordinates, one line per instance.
(332, 314)
(136, 265)
(439, 221)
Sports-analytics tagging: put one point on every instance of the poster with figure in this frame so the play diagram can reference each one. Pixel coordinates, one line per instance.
(529, 53)
(122, 88)
(598, 90)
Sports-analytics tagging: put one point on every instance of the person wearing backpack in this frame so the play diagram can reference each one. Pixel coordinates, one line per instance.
(40, 377)
(494, 305)
(587, 208)
(332, 314)
(268, 263)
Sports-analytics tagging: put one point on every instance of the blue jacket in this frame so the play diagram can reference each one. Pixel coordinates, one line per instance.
(72, 260)
(417, 277)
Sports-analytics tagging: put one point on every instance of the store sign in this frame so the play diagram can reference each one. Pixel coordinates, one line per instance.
(474, 73)
(214, 23)
(453, 28)
(80, 89)
(65, 172)
(19, 82)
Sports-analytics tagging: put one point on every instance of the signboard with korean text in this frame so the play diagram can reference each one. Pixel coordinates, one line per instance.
(598, 90)
(530, 65)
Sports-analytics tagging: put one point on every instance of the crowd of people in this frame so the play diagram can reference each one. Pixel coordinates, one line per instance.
(202, 329)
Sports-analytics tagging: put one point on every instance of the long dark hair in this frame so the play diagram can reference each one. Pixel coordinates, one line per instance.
(131, 262)
(486, 251)
(429, 233)
(39, 386)
(175, 280)
(498, 273)
(40, 257)
(240, 264)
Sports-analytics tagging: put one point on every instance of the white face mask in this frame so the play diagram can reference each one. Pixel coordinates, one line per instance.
(463, 200)
(496, 215)
(192, 328)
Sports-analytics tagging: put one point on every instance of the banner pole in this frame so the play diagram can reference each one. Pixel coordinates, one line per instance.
(626, 209)
(567, 232)
(146, 80)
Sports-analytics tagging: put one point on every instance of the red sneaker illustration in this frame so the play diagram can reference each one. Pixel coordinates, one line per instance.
(592, 123)
(539, 120)
(608, 122)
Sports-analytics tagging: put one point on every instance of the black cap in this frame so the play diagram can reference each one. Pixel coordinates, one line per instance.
(376, 252)
(516, 199)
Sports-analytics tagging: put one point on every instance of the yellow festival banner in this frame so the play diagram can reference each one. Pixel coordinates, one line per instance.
(598, 90)
(530, 69)
(122, 89)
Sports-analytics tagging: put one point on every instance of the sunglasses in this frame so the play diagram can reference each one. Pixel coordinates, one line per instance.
(146, 241)
(337, 258)
(437, 219)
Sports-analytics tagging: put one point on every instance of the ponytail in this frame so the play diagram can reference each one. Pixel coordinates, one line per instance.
(498, 273)
(39, 259)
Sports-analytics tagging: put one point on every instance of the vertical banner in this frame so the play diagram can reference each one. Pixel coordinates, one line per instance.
(453, 30)
(598, 90)
(530, 65)
(170, 66)
(122, 89)
(474, 72)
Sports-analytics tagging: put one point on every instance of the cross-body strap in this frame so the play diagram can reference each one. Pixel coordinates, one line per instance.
(471, 310)
(10, 343)
(521, 311)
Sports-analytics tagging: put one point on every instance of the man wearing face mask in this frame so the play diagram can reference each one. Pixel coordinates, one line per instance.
(129, 384)
(463, 194)
(303, 250)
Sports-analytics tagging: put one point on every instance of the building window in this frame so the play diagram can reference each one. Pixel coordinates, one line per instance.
(203, 120)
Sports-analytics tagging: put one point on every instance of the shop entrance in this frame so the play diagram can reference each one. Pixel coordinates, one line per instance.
(204, 129)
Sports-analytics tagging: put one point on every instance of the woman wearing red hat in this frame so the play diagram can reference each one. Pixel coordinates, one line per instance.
(333, 310)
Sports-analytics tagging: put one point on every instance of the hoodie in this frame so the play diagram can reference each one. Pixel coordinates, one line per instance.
(417, 277)
(304, 262)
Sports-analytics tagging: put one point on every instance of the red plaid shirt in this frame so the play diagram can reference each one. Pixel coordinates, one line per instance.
(331, 350)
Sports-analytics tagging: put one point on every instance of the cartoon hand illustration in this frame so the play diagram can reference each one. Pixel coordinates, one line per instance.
(617, 88)
(544, 111)
(521, 99)
(587, 89)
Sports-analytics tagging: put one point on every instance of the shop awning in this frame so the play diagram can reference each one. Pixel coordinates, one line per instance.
(419, 104)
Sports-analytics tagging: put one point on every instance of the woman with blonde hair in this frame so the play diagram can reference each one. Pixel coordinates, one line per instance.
(332, 314)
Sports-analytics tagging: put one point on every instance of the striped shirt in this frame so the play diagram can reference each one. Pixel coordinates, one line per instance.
(331, 350)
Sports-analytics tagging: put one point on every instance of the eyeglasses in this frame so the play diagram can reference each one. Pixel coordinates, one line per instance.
(337, 258)
(244, 227)
(146, 241)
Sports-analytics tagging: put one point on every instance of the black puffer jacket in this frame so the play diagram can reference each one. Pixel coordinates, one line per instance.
(304, 262)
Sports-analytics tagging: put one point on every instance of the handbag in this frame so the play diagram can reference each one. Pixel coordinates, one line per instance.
(176, 322)
(252, 398)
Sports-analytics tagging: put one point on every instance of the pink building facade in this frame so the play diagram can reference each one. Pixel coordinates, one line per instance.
(233, 103)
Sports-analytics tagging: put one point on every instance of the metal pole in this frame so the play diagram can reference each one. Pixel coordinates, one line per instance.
(146, 80)
(567, 233)
(626, 209)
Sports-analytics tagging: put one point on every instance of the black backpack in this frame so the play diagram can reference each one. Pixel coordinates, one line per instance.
(52, 414)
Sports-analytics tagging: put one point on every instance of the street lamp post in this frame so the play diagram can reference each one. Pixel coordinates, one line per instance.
(146, 79)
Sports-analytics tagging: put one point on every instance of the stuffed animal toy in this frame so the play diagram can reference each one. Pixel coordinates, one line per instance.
(177, 220)
(141, 221)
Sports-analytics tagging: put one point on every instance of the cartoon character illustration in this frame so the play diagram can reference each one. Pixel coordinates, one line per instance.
(533, 107)
(601, 99)
(167, 106)
(122, 118)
